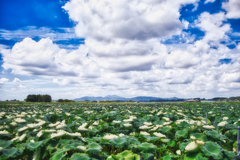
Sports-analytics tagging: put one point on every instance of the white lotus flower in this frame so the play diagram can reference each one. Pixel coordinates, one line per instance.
(20, 120)
(159, 135)
(222, 124)
(32, 141)
(61, 126)
(74, 134)
(225, 118)
(20, 116)
(82, 148)
(144, 127)
(166, 123)
(32, 125)
(83, 125)
(160, 112)
(90, 127)
(22, 129)
(22, 137)
(133, 117)
(40, 133)
(191, 146)
(154, 129)
(49, 130)
(144, 133)
(178, 152)
(200, 142)
(192, 137)
(147, 123)
(82, 129)
(128, 120)
(127, 125)
(121, 135)
(209, 127)
(55, 124)
(68, 114)
(58, 134)
(41, 123)
(4, 132)
(14, 138)
(38, 120)
(110, 136)
(199, 123)
(166, 118)
(116, 121)
(132, 134)
(96, 123)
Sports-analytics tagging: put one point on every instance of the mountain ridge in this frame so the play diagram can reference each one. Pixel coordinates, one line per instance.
(119, 98)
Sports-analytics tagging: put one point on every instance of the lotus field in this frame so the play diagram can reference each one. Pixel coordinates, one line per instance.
(119, 131)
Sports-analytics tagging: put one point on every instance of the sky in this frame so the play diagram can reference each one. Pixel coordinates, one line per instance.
(163, 48)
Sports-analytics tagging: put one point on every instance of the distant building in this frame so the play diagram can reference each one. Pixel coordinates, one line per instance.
(193, 100)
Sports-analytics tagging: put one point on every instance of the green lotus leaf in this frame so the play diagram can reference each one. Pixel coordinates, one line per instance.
(213, 134)
(58, 155)
(94, 148)
(148, 156)
(128, 155)
(229, 154)
(200, 136)
(212, 149)
(201, 158)
(183, 124)
(5, 144)
(79, 156)
(64, 141)
(7, 153)
(36, 155)
(34, 145)
(165, 129)
(183, 145)
(132, 140)
(118, 142)
(171, 143)
(165, 140)
(152, 139)
(168, 157)
(181, 133)
(147, 147)
(192, 156)
(70, 146)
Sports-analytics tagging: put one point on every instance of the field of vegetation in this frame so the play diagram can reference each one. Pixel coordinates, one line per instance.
(119, 131)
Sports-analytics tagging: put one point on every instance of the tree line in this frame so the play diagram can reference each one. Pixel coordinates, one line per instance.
(38, 98)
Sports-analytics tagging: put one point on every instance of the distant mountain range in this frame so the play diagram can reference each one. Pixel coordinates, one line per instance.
(118, 98)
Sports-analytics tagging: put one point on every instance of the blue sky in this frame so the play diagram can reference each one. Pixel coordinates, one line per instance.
(75, 48)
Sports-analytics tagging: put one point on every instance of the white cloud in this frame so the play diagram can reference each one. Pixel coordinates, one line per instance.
(16, 80)
(21, 86)
(42, 58)
(233, 9)
(209, 1)
(3, 81)
(126, 19)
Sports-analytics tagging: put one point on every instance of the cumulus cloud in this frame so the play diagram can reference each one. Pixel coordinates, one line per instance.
(2, 81)
(126, 19)
(233, 9)
(16, 80)
(42, 58)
